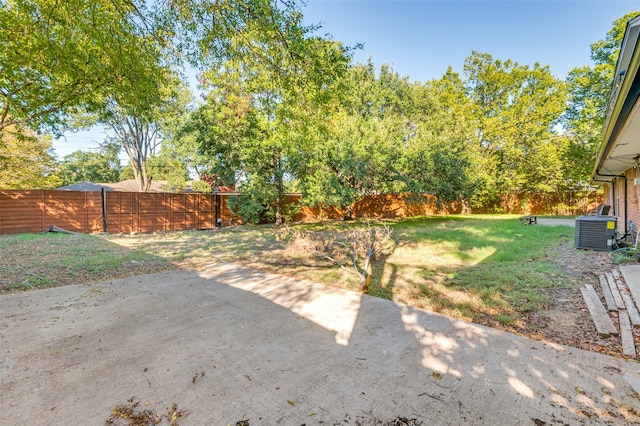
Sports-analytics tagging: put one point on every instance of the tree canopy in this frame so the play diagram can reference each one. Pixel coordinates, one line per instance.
(26, 160)
(469, 139)
(101, 166)
(117, 59)
(285, 109)
(589, 91)
(59, 56)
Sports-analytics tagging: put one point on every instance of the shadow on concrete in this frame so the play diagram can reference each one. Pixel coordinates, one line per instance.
(230, 344)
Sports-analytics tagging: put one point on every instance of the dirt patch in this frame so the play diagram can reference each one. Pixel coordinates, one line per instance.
(566, 320)
(134, 413)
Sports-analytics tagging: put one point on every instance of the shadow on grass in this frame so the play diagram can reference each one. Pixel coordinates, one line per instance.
(34, 261)
(470, 267)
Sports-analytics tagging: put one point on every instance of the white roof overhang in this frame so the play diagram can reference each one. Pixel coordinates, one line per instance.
(620, 149)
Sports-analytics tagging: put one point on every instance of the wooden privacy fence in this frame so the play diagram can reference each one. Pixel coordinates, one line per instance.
(387, 206)
(126, 212)
(110, 211)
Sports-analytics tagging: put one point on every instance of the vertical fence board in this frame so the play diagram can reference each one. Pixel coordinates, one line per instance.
(20, 211)
(34, 210)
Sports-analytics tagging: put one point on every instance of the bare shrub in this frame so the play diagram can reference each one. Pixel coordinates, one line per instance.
(353, 249)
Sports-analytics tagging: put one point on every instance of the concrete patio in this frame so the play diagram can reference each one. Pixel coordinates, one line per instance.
(232, 344)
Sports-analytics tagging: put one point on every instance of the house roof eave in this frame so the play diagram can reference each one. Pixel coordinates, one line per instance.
(625, 105)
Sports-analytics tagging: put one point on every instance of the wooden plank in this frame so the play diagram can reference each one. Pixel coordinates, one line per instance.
(615, 273)
(614, 291)
(628, 346)
(600, 317)
(621, 289)
(608, 296)
(634, 316)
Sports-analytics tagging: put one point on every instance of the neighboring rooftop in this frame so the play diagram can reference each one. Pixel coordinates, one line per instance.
(86, 186)
(130, 185)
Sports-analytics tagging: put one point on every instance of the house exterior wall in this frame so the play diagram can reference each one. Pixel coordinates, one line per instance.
(633, 198)
(614, 195)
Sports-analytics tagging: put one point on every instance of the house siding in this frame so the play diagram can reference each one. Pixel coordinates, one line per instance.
(633, 199)
(614, 194)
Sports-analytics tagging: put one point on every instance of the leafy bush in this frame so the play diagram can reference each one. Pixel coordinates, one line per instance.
(200, 186)
(248, 208)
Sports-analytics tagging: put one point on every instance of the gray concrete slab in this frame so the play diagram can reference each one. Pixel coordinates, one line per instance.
(556, 222)
(631, 275)
(230, 344)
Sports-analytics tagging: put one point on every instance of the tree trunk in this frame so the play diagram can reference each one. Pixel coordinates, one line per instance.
(279, 190)
(279, 218)
(140, 173)
(366, 280)
(139, 140)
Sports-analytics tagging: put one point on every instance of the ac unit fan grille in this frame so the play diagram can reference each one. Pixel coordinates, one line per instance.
(594, 234)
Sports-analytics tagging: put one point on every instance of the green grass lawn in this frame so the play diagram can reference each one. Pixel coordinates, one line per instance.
(470, 266)
(462, 266)
(32, 261)
(466, 267)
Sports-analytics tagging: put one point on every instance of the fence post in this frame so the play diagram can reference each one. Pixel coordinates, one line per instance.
(104, 211)
(216, 199)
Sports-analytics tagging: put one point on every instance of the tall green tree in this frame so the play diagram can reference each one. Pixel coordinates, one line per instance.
(102, 166)
(241, 130)
(437, 156)
(262, 43)
(117, 58)
(514, 111)
(252, 122)
(27, 160)
(140, 131)
(589, 91)
(355, 149)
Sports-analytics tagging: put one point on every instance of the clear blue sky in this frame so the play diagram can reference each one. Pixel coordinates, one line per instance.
(421, 38)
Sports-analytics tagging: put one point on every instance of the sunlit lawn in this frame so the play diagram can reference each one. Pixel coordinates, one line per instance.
(469, 267)
(462, 266)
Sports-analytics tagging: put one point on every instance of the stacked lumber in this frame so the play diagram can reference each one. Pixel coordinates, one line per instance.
(617, 300)
(600, 317)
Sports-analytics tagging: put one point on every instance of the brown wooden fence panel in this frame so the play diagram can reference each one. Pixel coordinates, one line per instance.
(204, 209)
(177, 209)
(21, 211)
(35, 211)
(121, 209)
(186, 211)
(308, 213)
(73, 210)
(377, 206)
(126, 212)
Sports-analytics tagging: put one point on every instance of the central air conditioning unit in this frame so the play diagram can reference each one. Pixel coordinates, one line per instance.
(595, 232)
